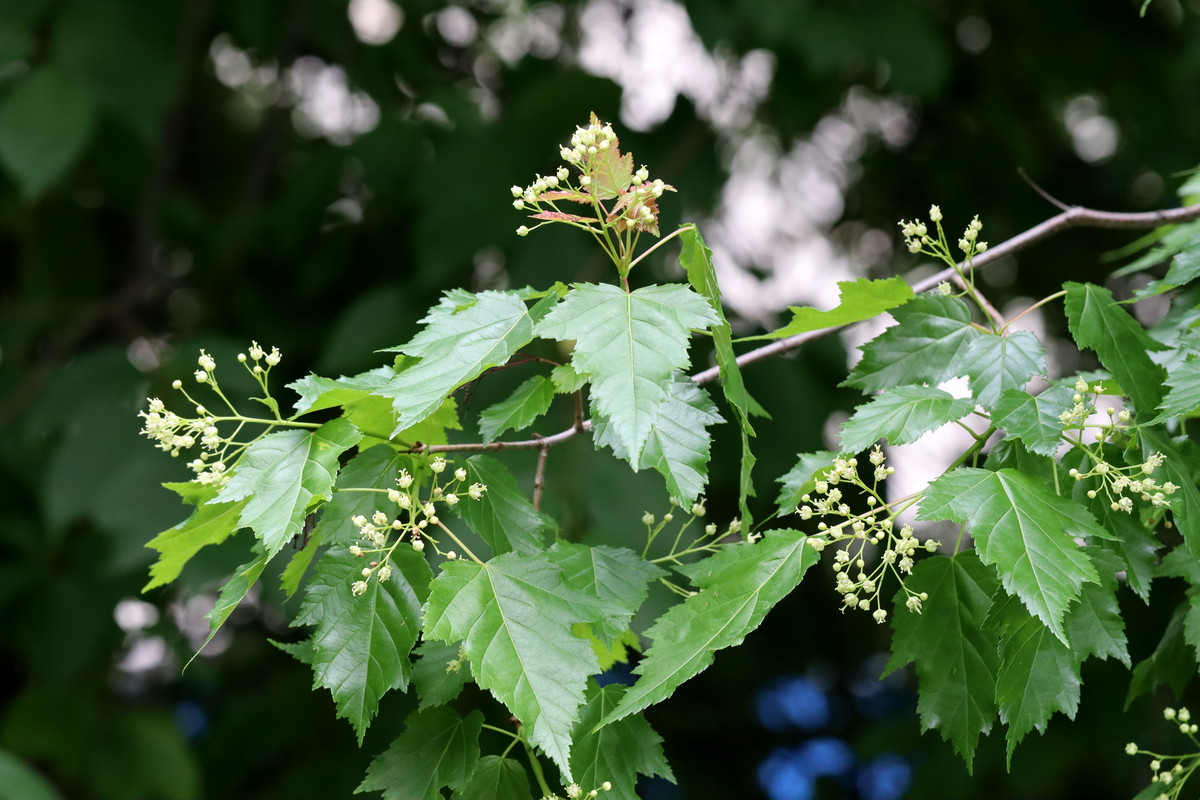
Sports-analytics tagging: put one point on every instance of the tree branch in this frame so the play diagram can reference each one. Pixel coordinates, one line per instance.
(1072, 217)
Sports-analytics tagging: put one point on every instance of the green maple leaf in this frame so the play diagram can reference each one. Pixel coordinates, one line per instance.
(376, 468)
(514, 617)
(1182, 245)
(1034, 419)
(1038, 675)
(209, 523)
(1095, 626)
(1024, 529)
(497, 778)
(1173, 662)
(282, 474)
(1184, 397)
(437, 683)
(619, 752)
(901, 415)
(232, 594)
(518, 411)
(456, 346)
(802, 478)
(737, 587)
(628, 345)
(619, 577)
(858, 300)
(1123, 346)
(361, 644)
(956, 660)
(437, 749)
(1180, 463)
(504, 517)
(317, 393)
(678, 444)
(998, 363)
(926, 345)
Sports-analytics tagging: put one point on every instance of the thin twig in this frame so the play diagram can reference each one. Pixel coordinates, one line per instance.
(984, 303)
(539, 476)
(1073, 217)
(1049, 198)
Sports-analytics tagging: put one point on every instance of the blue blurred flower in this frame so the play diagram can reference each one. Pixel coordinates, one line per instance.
(885, 777)
(792, 702)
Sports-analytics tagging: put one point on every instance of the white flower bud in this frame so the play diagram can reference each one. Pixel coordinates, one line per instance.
(438, 464)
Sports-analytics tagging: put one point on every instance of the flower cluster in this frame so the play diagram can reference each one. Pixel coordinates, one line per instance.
(1115, 481)
(616, 196)
(1170, 773)
(576, 792)
(413, 521)
(174, 434)
(859, 581)
(918, 239)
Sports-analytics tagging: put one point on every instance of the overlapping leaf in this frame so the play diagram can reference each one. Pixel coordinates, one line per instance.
(901, 415)
(628, 345)
(497, 778)
(1034, 419)
(619, 752)
(504, 517)
(800, 479)
(619, 577)
(1184, 397)
(436, 676)
(456, 345)
(436, 750)
(956, 660)
(514, 617)
(376, 468)
(209, 523)
(1179, 466)
(232, 594)
(737, 587)
(999, 363)
(926, 345)
(282, 474)
(361, 643)
(518, 411)
(1123, 346)
(858, 300)
(1026, 530)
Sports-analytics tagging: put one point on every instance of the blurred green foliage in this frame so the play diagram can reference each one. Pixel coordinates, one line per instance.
(164, 188)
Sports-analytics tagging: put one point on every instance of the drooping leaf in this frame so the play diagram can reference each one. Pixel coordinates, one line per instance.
(618, 752)
(901, 415)
(298, 564)
(1095, 627)
(497, 778)
(1182, 246)
(926, 345)
(1179, 466)
(956, 660)
(999, 363)
(46, 121)
(858, 300)
(456, 347)
(1191, 621)
(737, 587)
(696, 259)
(616, 575)
(678, 445)
(282, 473)
(1173, 662)
(1026, 530)
(1038, 675)
(439, 673)
(361, 643)
(436, 750)
(1123, 346)
(1136, 547)
(232, 594)
(504, 517)
(1034, 419)
(209, 523)
(802, 478)
(628, 345)
(518, 411)
(514, 617)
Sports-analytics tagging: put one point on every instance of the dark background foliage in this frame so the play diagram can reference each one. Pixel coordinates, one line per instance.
(167, 185)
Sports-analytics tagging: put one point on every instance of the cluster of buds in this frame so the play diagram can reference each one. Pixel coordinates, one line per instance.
(576, 792)
(1170, 773)
(616, 196)
(918, 239)
(1115, 481)
(413, 521)
(859, 579)
(174, 434)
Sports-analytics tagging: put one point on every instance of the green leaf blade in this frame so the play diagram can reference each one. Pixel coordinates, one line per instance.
(618, 752)
(1026, 530)
(996, 364)
(738, 586)
(519, 410)
(210, 523)
(504, 517)
(617, 576)
(282, 474)
(901, 415)
(858, 301)
(437, 749)
(1034, 419)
